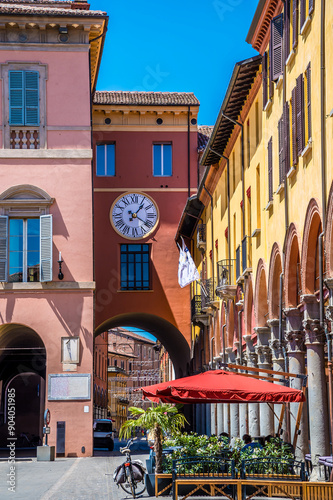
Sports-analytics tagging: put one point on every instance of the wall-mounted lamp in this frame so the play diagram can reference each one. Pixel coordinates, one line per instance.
(60, 274)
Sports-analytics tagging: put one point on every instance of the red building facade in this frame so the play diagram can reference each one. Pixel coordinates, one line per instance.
(145, 168)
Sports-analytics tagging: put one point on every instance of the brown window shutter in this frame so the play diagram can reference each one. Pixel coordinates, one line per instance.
(308, 80)
(311, 6)
(286, 125)
(293, 125)
(281, 140)
(295, 23)
(270, 169)
(277, 46)
(264, 80)
(286, 31)
(300, 114)
(303, 12)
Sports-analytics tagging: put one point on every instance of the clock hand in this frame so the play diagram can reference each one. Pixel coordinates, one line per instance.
(140, 207)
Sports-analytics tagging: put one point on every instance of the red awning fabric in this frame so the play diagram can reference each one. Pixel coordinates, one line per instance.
(220, 386)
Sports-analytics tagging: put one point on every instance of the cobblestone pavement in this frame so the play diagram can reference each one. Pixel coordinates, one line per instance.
(65, 479)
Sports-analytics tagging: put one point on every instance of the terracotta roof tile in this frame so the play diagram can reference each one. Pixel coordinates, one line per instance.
(146, 98)
(30, 8)
(204, 133)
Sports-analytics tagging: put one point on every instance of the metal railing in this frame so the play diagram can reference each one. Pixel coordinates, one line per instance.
(225, 272)
(246, 253)
(238, 271)
(208, 294)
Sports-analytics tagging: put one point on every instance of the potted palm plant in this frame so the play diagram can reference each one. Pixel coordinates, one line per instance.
(162, 419)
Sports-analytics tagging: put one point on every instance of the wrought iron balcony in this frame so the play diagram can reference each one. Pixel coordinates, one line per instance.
(209, 298)
(201, 236)
(246, 255)
(24, 137)
(226, 279)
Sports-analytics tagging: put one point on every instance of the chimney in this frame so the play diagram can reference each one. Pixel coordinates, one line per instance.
(80, 4)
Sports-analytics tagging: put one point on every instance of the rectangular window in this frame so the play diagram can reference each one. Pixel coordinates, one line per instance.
(134, 267)
(24, 239)
(162, 160)
(26, 249)
(105, 160)
(24, 98)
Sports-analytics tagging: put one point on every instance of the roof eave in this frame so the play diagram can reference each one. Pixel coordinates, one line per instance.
(192, 215)
(255, 21)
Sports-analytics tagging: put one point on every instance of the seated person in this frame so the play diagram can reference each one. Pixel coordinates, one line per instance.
(249, 444)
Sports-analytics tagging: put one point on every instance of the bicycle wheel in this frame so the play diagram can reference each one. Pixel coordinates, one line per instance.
(129, 484)
(128, 487)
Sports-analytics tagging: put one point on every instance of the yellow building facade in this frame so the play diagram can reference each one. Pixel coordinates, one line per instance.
(262, 234)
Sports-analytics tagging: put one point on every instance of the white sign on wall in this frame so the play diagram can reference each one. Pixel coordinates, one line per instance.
(69, 386)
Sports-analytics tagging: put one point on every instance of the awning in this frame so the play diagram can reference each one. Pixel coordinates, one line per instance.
(220, 386)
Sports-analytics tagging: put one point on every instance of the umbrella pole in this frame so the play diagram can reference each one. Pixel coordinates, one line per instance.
(281, 419)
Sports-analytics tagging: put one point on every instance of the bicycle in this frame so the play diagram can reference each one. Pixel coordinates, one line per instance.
(130, 475)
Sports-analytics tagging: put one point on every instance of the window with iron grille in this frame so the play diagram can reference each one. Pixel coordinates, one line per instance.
(134, 267)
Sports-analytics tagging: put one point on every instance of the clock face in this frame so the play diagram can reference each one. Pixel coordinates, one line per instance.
(134, 215)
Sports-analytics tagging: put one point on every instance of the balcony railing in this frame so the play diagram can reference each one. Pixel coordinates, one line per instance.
(246, 254)
(24, 137)
(201, 236)
(208, 293)
(225, 272)
(238, 263)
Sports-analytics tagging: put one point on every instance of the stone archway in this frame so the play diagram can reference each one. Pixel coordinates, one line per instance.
(22, 368)
(169, 336)
(248, 308)
(260, 300)
(292, 277)
(310, 250)
(275, 270)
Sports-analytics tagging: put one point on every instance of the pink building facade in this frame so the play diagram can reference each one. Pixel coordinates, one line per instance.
(48, 67)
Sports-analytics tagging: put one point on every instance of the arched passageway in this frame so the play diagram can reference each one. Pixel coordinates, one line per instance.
(169, 336)
(22, 371)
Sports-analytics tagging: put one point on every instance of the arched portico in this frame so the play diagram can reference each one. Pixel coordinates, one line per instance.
(171, 338)
(22, 370)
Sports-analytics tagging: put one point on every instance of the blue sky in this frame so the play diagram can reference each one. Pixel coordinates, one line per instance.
(180, 46)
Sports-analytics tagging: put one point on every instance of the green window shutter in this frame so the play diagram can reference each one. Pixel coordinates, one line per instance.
(303, 12)
(281, 152)
(16, 97)
(46, 248)
(311, 6)
(31, 98)
(3, 248)
(270, 169)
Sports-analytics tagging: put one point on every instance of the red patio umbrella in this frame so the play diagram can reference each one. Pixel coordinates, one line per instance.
(223, 387)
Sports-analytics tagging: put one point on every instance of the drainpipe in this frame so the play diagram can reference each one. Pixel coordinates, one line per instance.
(223, 343)
(323, 195)
(243, 184)
(228, 194)
(240, 338)
(212, 225)
(188, 152)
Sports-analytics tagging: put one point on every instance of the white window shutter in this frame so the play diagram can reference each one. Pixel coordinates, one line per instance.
(3, 248)
(46, 248)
